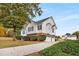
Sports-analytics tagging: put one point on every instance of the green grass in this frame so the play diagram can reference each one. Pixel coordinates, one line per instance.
(10, 43)
(66, 48)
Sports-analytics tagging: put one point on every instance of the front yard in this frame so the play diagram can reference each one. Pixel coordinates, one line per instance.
(66, 48)
(10, 43)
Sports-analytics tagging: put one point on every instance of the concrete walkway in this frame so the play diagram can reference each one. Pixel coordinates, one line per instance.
(25, 50)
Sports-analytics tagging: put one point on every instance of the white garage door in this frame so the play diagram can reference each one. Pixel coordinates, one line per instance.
(50, 39)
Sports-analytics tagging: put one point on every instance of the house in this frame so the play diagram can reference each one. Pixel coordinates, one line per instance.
(45, 26)
(70, 37)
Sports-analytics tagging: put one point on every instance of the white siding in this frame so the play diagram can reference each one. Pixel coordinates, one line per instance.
(31, 32)
(38, 31)
(72, 38)
(23, 34)
(30, 25)
(45, 28)
(50, 39)
(35, 29)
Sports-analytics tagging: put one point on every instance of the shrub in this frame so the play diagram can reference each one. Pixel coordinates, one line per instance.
(41, 38)
(2, 31)
(37, 38)
(10, 33)
(67, 48)
(33, 38)
(25, 38)
(18, 37)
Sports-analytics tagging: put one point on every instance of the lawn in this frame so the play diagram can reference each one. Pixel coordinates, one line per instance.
(10, 43)
(66, 48)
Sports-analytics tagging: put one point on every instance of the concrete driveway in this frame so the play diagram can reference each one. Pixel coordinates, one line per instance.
(25, 50)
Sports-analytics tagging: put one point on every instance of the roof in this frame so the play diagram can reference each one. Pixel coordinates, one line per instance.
(40, 21)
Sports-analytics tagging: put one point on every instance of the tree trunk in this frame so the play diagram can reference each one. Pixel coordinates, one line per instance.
(14, 34)
(14, 37)
(77, 37)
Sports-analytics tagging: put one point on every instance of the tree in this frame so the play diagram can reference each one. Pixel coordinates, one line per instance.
(68, 34)
(77, 34)
(2, 31)
(15, 15)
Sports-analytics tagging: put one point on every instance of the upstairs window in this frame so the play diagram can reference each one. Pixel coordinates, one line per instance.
(39, 27)
(53, 30)
(30, 29)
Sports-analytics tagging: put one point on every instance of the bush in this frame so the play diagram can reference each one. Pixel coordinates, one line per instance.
(18, 37)
(67, 48)
(25, 38)
(2, 31)
(33, 38)
(37, 38)
(10, 33)
(41, 38)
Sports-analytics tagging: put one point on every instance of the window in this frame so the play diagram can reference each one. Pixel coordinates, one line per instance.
(30, 29)
(23, 32)
(52, 30)
(39, 27)
(48, 24)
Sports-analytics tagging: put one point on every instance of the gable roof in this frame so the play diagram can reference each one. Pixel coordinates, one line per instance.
(40, 21)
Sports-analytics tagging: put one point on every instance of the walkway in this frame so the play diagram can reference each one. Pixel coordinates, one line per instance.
(25, 50)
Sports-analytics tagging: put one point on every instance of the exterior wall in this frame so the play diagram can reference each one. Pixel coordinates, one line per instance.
(45, 28)
(30, 25)
(50, 39)
(22, 32)
(30, 32)
(26, 29)
(35, 29)
(72, 38)
(69, 38)
(38, 31)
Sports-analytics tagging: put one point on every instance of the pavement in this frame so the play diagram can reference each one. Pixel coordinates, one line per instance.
(25, 50)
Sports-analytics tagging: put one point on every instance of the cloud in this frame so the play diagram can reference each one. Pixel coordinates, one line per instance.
(45, 10)
(67, 18)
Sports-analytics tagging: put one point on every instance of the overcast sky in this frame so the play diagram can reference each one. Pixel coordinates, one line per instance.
(66, 16)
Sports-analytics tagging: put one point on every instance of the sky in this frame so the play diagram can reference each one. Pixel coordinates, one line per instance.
(66, 16)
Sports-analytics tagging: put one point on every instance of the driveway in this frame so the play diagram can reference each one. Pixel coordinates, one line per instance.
(25, 50)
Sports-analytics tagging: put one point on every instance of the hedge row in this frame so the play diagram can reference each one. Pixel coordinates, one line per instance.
(37, 38)
(32, 38)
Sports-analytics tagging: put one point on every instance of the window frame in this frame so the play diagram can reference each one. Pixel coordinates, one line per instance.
(23, 32)
(39, 27)
(30, 29)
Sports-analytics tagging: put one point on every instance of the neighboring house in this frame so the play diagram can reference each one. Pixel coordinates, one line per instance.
(70, 37)
(45, 26)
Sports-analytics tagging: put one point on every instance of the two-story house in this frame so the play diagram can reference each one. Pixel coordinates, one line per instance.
(45, 26)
